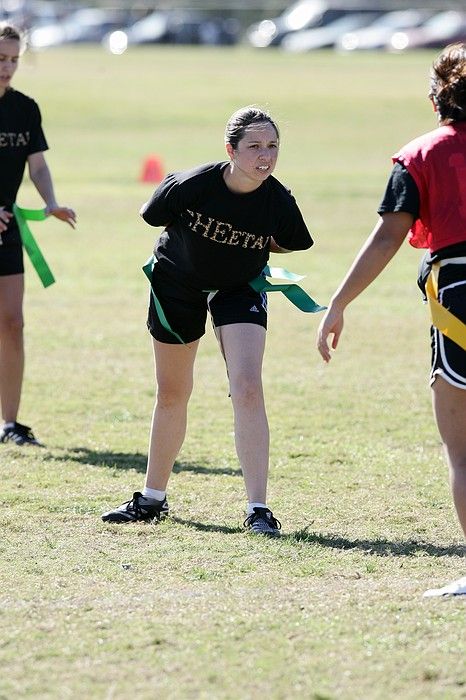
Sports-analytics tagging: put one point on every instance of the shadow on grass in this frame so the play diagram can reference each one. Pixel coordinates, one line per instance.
(377, 547)
(205, 527)
(132, 460)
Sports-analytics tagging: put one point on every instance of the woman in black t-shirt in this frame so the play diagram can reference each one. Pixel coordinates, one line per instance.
(221, 222)
(21, 141)
(426, 197)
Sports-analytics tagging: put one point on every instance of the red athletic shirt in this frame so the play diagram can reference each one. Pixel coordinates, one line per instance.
(437, 163)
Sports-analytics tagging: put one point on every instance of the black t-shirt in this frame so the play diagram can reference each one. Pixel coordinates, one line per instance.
(20, 135)
(218, 239)
(402, 194)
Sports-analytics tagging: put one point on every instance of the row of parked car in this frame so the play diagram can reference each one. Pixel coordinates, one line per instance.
(304, 26)
(315, 24)
(171, 27)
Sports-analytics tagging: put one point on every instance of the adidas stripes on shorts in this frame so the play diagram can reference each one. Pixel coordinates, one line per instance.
(448, 359)
(186, 308)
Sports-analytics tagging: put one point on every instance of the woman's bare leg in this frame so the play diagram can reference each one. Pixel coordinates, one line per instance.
(11, 345)
(174, 374)
(243, 346)
(449, 403)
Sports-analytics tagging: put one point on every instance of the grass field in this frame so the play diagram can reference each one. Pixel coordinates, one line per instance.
(194, 608)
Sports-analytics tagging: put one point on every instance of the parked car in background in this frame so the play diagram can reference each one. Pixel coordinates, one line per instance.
(443, 28)
(377, 34)
(174, 27)
(84, 25)
(327, 36)
(304, 14)
(28, 13)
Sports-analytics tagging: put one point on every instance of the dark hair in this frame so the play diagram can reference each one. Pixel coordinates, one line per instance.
(448, 83)
(241, 119)
(10, 32)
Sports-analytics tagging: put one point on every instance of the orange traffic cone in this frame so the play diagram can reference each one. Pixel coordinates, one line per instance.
(152, 170)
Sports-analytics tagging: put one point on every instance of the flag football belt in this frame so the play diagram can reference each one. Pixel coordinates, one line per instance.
(22, 217)
(290, 289)
(447, 323)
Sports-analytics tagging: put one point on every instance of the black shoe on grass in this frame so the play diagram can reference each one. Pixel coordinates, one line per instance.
(19, 434)
(138, 508)
(262, 522)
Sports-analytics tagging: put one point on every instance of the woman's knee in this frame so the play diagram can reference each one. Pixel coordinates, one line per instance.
(247, 390)
(11, 325)
(173, 393)
(456, 460)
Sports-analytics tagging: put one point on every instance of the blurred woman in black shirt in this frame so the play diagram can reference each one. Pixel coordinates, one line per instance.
(21, 141)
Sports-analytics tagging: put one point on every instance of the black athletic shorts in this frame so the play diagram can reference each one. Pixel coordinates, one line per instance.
(11, 252)
(186, 308)
(448, 359)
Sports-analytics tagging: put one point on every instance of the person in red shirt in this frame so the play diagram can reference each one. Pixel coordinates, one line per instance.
(426, 198)
(21, 141)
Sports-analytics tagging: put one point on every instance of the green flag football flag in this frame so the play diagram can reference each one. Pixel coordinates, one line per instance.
(22, 216)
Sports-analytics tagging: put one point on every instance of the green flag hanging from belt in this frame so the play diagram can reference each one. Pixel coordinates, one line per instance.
(22, 217)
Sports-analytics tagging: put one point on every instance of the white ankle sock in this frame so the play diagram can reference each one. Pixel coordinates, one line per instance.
(8, 425)
(153, 494)
(251, 506)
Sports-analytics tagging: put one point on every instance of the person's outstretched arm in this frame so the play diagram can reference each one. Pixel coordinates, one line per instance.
(382, 244)
(40, 175)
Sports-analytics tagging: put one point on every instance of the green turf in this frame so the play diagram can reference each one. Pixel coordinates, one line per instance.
(194, 608)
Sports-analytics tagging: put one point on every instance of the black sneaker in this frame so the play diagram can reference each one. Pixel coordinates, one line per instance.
(262, 522)
(133, 510)
(20, 434)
